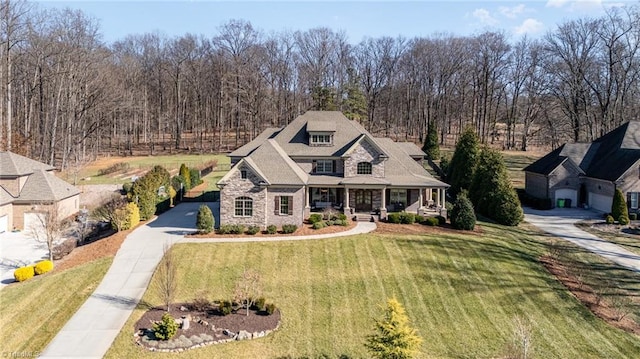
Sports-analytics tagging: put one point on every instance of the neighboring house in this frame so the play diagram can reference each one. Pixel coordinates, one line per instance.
(589, 173)
(324, 160)
(27, 188)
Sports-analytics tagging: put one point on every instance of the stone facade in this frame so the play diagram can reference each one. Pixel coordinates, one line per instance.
(365, 152)
(239, 187)
(297, 202)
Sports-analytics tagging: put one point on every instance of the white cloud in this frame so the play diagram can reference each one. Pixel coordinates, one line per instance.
(529, 26)
(556, 3)
(512, 12)
(582, 5)
(484, 16)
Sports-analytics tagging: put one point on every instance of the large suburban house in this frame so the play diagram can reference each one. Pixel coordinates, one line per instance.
(589, 173)
(324, 160)
(28, 188)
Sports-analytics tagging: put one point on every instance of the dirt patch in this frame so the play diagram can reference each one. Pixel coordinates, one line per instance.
(303, 230)
(205, 327)
(93, 196)
(393, 228)
(601, 307)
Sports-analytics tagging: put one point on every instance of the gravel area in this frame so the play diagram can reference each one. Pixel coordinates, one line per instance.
(93, 195)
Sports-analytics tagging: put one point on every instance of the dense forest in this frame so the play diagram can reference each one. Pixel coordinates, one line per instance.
(66, 96)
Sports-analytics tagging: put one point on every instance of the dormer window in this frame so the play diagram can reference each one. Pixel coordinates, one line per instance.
(364, 168)
(320, 139)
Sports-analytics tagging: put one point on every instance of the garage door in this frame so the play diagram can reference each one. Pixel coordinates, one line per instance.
(572, 194)
(32, 221)
(4, 223)
(600, 202)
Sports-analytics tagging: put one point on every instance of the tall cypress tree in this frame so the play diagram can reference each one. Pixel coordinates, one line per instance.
(431, 146)
(619, 206)
(463, 162)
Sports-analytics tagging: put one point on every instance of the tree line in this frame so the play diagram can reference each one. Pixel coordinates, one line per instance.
(66, 96)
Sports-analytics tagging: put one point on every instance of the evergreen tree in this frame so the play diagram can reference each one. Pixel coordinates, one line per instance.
(619, 206)
(205, 221)
(431, 146)
(491, 191)
(463, 162)
(393, 338)
(186, 176)
(355, 105)
(462, 214)
(324, 98)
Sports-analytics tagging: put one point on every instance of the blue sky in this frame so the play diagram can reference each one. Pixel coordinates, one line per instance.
(358, 19)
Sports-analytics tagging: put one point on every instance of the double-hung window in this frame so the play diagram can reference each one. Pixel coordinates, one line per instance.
(243, 207)
(324, 166)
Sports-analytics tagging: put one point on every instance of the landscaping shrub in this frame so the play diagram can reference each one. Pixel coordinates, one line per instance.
(441, 219)
(315, 218)
(272, 229)
(126, 187)
(260, 303)
(186, 176)
(165, 329)
(609, 219)
(318, 225)
(619, 205)
(225, 307)
(623, 220)
(194, 174)
(200, 302)
(289, 228)
(330, 223)
(237, 228)
(253, 230)
(329, 214)
(270, 308)
(463, 163)
(23, 273)
(431, 221)
(224, 229)
(342, 222)
(43, 267)
(205, 221)
(116, 167)
(462, 214)
(419, 218)
(393, 218)
(633, 216)
(407, 218)
(342, 217)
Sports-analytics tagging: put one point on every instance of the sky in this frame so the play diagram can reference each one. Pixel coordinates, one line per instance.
(359, 19)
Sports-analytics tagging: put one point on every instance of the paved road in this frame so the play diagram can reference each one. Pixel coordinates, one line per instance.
(16, 250)
(560, 223)
(93, 328)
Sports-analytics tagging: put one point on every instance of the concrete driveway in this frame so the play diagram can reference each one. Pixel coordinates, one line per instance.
(560, 223)
(17, 249)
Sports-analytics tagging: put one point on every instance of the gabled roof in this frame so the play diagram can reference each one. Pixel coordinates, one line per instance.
(5, 197)
(606, 158)
(43, 186)
(320, 124)
(256, 142)
(358, 142)
(15, 165)
(402, 170)
(411, 149)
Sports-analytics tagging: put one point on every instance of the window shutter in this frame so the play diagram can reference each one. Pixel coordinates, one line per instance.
(333, 168)
(276, 203)
(290, 205)
(313, 167)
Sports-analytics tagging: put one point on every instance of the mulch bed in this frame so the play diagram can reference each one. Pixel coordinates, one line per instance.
(588, 297)
(209, 324)
(303, 230)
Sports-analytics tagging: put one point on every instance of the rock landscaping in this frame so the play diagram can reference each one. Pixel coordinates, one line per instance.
(198, 328)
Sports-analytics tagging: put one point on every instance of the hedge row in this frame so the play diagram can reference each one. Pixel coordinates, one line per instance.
(23, 273)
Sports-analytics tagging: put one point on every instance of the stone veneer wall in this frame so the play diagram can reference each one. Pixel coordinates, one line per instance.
(238, 187)
(364, 153)
(298, 206)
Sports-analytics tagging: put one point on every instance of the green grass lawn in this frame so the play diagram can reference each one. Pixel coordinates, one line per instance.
(34, 311)
(141, 164)
(462, 292)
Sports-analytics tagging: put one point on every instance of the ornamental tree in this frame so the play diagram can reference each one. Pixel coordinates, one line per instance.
(393, 336)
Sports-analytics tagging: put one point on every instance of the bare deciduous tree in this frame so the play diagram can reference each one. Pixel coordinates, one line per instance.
(247, 288)
(166, 277)
(48, 227)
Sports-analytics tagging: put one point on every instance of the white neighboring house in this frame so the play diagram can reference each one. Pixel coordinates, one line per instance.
(28, 188)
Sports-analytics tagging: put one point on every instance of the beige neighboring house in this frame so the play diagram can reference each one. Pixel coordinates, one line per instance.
(589, 173)
(27, 188)
(324, 160)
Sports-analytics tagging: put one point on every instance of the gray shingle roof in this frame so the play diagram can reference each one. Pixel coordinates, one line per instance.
(15, 165)
(411, 149)
(43, 186)
(5, 197)
(606, 158)
(402, 170)
(321, 124)
(255, 143)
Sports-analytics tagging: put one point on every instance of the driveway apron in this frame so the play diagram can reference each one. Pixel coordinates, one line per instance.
(560, 222)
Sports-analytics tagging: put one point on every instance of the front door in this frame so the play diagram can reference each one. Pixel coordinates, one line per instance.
(363, 200)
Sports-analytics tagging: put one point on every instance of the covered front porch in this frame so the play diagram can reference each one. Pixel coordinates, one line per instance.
(378, 200)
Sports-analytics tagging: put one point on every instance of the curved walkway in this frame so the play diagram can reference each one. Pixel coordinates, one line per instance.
(560, 223)
(94, 327)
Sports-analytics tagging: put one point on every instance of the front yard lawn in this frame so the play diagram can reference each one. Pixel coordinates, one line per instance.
(462, 291)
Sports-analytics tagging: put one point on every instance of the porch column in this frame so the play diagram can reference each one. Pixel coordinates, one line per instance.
(437, 197)
(443, 209)
(420, 201)
(307, 207)
(443, 200)
(430, 195)
(383, 204)
(346, 208)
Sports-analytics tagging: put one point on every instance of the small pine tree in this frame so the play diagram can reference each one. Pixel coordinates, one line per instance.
(205, 221)
(186, 176)
(463, 163)
(431, 146)
(463, 216)
(393, 337)
(133, 214)
(619, 206)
